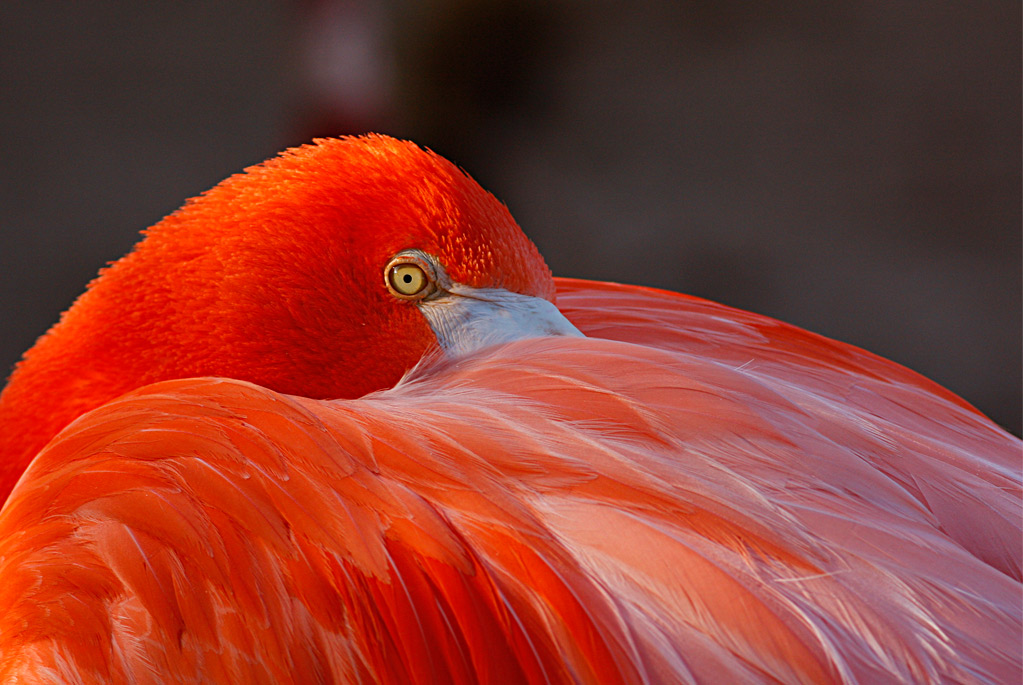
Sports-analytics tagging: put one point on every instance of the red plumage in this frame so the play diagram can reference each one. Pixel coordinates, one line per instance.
(722, 497)
(690, 494)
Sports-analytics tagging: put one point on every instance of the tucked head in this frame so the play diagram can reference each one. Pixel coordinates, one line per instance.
(326, 272)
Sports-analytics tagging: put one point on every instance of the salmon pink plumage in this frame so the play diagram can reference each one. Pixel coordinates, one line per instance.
(325, 424)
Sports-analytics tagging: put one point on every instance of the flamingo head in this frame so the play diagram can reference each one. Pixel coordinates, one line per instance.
(326, 272)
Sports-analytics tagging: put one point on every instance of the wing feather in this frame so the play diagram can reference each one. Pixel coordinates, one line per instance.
(689, 495)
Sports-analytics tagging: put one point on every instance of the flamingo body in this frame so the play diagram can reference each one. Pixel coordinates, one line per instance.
(326, 424)
(689, 494)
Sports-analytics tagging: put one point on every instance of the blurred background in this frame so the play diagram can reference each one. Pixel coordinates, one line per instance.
(850, 167)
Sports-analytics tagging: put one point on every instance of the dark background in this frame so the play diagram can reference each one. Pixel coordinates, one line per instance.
(850, 167)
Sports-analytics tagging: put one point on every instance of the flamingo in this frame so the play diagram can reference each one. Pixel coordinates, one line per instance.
(326, 424)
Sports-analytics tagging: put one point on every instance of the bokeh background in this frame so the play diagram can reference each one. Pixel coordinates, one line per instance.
(850, 167)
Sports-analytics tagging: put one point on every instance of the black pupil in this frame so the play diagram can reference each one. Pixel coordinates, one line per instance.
(407, 278)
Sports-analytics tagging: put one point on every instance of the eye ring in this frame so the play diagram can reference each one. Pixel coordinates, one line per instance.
(410, 277)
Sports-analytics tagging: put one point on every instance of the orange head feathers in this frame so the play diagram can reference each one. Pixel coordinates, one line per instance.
(277, 276)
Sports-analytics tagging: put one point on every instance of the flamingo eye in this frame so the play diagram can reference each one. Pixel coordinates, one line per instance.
(409, 278)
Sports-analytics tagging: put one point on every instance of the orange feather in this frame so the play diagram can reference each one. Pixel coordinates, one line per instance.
(689, 494)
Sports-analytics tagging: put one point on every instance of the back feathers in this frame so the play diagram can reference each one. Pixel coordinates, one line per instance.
(710, 497)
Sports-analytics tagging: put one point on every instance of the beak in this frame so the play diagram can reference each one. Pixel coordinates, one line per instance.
(467, 319)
